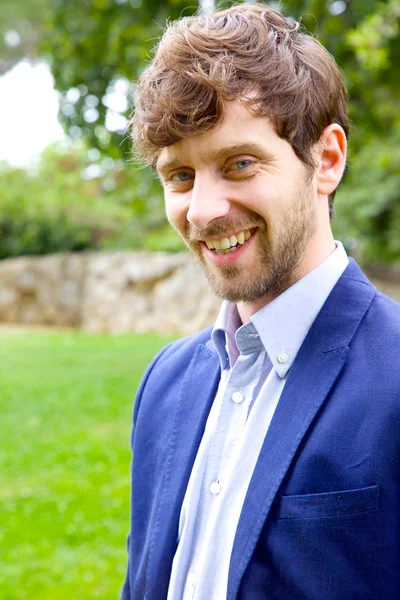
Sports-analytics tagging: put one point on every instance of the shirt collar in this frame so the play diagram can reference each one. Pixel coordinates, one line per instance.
(223, 334)
(283, 324)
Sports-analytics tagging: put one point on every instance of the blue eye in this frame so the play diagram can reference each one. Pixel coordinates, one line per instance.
(242, 164)
(181, 176)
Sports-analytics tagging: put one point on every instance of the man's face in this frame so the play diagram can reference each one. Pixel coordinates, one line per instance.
(244, 204)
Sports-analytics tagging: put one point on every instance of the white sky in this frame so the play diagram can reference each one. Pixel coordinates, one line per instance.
(28, 113)
(29, 106)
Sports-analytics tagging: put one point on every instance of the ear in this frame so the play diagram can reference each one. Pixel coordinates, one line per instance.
(332, 149)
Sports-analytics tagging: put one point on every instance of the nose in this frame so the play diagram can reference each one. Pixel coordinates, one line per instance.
(208, 202)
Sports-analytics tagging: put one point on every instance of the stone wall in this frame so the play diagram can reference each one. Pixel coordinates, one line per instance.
(118, 291)
(107, 291)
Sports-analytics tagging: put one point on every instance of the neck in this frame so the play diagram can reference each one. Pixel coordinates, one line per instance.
(315, 256)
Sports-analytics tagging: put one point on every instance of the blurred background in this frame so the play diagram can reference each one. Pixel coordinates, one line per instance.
(68, 185)
(67, 69)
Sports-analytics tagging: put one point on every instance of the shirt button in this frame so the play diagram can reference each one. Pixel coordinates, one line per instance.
(215, 487)
(237, 397)
(283, 357)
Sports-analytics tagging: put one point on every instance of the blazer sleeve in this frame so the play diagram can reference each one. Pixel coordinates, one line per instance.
(126, 590)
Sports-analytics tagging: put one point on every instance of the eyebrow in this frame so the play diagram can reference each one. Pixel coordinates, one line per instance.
(237, 148)
(218, 153)
(169, 164)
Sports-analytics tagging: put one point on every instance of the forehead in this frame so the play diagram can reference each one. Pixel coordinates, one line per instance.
(239, 133)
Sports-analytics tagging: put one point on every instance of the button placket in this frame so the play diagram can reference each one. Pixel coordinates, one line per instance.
(215, 488)
(237, 397)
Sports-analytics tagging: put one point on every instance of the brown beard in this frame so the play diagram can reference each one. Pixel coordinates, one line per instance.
(277, 261)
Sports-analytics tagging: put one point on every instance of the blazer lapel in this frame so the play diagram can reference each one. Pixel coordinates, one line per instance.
(314, 372)
(193, 406)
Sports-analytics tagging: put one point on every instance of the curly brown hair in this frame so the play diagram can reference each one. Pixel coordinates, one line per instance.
(250, 52)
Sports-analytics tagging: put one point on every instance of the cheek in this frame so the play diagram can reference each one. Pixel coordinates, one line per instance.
(176, 211)
(261, 203)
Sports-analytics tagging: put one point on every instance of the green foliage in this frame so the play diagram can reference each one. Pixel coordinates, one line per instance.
(368, 205)
(66, 412)
(365, 41)
(27, 22)
(59, 208)
(96, 48)
(91, 45)
(371, 40)
(363, 37)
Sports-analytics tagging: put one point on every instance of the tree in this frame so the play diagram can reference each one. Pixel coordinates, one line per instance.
(78, 200)
(98, 47)
(22, 25)
(364, 38)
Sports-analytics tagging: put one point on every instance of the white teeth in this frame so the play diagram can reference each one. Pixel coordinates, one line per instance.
(217, 244)
(229, 243)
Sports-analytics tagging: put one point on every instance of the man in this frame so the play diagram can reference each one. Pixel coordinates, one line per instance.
(265, 449)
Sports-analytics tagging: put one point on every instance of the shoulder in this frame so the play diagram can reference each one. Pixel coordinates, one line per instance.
(377, 342)
(167, 370)
(366, 320)
(384, 315)
(184, 348)
(387, 305)
(382, 311)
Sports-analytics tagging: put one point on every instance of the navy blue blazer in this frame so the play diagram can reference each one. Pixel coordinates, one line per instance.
(321, 516)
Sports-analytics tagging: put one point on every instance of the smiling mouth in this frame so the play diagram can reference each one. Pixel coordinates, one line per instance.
(230, 244)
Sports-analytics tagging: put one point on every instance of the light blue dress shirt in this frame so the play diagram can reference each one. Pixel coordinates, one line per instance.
(255, 359)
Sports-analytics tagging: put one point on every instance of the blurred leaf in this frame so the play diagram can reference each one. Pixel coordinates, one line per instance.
(72, 203)
(96, 48)
(22, 25)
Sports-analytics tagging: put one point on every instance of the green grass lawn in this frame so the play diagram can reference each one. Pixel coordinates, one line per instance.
(65, 417)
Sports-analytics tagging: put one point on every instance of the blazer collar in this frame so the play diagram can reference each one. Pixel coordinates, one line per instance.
(315, 370)
(197, 393)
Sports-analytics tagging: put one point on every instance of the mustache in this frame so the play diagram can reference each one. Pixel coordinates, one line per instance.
(223, 227)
